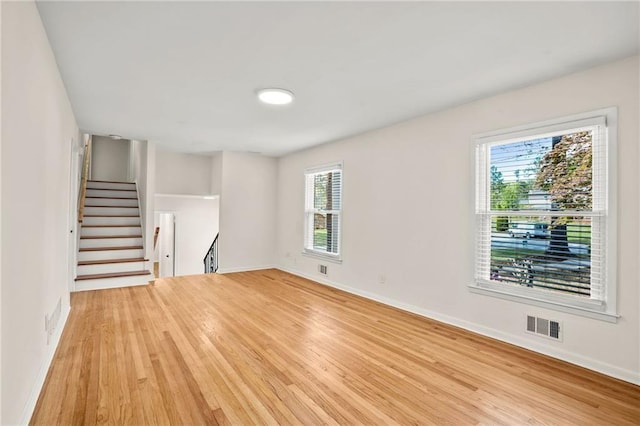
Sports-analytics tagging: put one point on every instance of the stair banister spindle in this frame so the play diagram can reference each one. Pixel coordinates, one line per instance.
(211, 258)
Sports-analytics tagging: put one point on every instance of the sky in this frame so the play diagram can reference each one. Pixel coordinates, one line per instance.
(520, 156)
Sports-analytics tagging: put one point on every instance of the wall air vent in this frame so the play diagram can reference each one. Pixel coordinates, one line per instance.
(531, 324)
(544, 327)
(322, 269)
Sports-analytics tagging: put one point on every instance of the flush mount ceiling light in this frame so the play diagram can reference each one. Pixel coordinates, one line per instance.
(275, 96)
(115, 137)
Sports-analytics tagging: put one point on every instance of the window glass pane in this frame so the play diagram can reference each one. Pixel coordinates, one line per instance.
(336, 183)
(333, 232)
(320, 232)
(323, 204)
(326, 232)
(551, 253)
(320, 182)
(553, 173)
(326, 190)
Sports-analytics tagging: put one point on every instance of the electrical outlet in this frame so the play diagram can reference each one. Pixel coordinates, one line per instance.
(382, 279)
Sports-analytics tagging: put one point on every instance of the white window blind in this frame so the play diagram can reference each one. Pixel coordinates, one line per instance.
(542, 212)
(323, 210)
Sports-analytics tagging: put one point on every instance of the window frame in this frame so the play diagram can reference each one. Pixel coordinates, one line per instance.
(307, 248)
(603, 309)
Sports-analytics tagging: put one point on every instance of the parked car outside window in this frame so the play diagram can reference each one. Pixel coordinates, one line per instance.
(528, 230)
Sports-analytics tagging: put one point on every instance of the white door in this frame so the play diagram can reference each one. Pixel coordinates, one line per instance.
(166, 244)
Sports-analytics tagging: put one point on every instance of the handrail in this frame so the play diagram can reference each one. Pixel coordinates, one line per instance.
(85, 177)
(211, 258)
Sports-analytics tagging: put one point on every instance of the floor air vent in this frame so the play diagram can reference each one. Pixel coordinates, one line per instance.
(543, 327)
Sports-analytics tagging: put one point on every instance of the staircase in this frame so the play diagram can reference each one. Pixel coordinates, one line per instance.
(111, 252)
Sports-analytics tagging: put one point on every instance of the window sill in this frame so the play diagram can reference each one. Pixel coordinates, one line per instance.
(323, 256)
(545, 303)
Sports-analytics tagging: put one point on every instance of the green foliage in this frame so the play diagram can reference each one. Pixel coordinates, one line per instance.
(502, 224)
(320, 190)
(507, 196)
(497, 185)
(512, 194)
(566, 172)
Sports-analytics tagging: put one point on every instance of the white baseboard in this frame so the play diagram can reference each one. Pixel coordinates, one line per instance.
(571, 357)
(30, 405)
(244, 269)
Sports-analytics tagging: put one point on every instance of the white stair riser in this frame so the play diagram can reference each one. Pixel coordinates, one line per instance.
(109, 185)
(107, 193)
(120, 230)
(110, 242)
(132, 202)
(133, 221)
(109, 254)
(107, 268)
(104, 283)
(122, 211)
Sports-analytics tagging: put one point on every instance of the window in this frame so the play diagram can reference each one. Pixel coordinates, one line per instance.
(545, 229)
(323, 211)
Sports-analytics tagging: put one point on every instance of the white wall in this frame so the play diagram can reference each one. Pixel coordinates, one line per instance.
(247, 212)
(0, 216)
(38, 126)
(216, 174)
(408, 216)
(75, 182)
(178, 173)
(181, 181)
(196, 225)
(143, 173)
(110, 159)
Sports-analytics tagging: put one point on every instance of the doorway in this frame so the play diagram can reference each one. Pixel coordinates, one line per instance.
(166, 244)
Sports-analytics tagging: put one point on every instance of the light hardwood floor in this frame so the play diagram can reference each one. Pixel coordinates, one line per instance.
(267, 347)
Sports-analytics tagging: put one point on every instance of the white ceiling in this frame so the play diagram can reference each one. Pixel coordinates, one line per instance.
(185, 74)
